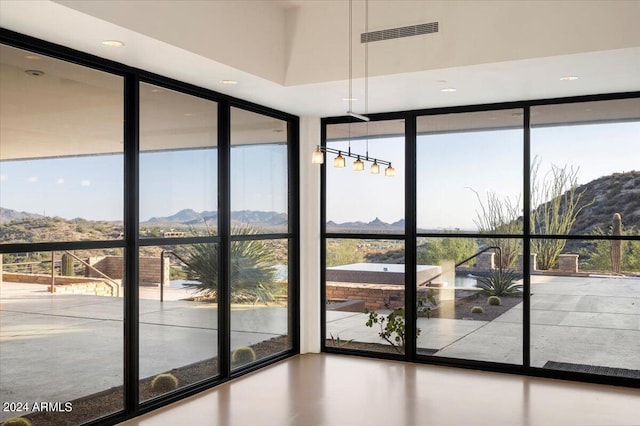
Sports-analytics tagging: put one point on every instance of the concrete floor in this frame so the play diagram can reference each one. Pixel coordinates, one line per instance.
(62, 347)
(334, 390)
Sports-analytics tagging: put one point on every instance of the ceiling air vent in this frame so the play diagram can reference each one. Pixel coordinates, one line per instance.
(410, 31)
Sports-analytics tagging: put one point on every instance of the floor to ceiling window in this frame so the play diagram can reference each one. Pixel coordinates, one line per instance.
(469, 181)
(522, 224)
(177, 283)
(260, 238)
(365, 247)
(148, 248)
(61, 195)
(585, 247)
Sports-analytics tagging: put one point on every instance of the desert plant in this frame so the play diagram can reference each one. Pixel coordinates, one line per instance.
(392, 327)
(500, 216)
(477, 310)
(616, 245)
(500, 282)
(242, 355)
(435, 250)
(66, 265)
(337, 342)
(596, 255)
(16, 421)
(557, 203)
(252, 268)
(494, 301)
(164, 382)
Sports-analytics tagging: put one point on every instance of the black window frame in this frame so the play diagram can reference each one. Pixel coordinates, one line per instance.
(131, 242)
(410, 237)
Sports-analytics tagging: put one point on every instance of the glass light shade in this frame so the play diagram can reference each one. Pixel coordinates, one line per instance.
(339, 161)
(375, 168)
(318, 157)
(358, 165)
(390, 171)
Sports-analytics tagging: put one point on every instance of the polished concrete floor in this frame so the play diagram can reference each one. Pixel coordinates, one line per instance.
(337, 390)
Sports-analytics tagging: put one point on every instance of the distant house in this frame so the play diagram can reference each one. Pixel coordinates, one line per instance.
(173, 234)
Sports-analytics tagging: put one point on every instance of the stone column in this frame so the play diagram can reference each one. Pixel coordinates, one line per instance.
(568, 263)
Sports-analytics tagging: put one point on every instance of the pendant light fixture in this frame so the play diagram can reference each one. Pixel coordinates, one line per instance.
(339, 161)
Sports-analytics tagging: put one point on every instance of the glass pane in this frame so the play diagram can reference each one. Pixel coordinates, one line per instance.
(584, 315)
(259, 174)
(259, 300)
(359, 201)
(468, 307)
(469, 172)
(61, 161)
(178, 318)
(61, 358)
(178, 164)
(585, 170)
(364, 293)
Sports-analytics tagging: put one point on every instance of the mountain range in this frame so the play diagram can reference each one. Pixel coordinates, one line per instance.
(601, 198)
(191, 217)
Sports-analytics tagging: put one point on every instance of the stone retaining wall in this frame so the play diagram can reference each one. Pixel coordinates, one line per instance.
(374, 296)
(112, 266)
(67, 285)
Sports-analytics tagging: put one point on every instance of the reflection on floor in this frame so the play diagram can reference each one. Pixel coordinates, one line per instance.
(337, 390)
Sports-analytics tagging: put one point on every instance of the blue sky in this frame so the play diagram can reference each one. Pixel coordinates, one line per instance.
(91, 187)
(448, 164)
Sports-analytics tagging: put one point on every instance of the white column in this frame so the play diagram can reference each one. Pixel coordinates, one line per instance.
(309, 237)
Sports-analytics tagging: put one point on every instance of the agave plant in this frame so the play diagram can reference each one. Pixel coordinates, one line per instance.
(500, 282)
(252, 268)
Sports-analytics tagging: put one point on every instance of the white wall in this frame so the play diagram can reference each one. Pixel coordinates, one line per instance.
(309, 237)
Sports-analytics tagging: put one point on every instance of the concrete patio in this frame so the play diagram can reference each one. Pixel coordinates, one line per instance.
(60, 347)
(579, 320)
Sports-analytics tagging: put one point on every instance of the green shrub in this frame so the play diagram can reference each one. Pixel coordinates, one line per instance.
(16, 421)
(477, 310)
(164, 382)
(243, 355)
(500, 283)
(494, 301)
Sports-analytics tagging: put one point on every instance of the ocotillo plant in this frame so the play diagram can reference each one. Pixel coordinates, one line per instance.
(616, 245)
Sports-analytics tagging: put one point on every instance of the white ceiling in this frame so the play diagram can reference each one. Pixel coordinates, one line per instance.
(306, 42)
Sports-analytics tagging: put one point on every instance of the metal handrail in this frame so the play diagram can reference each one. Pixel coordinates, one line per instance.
(162, 255)
(117, 285)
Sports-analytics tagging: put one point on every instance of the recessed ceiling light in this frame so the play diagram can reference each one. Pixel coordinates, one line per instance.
(156, 90)
(448, 89)
(32, 57)
(188, 114)
(348, 99)
(229, 82)
(569, 78)
(113, 43)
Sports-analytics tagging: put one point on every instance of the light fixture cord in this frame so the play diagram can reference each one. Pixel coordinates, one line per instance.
(366, 68)
(350, 66)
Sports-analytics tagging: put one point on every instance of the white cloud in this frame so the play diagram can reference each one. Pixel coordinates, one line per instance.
(60, 181)
(32, 179)
(85, 182)
(3, 178)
